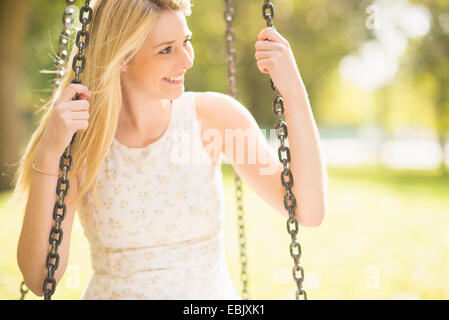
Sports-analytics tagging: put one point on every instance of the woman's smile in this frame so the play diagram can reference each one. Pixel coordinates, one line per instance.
(173, 82)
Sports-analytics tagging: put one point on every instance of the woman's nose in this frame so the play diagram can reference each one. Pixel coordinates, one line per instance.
(187, 58)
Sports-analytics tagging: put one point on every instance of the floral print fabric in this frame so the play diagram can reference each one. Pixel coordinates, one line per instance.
(158, 232)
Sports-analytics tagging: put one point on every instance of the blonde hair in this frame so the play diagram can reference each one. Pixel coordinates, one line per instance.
(117, 31)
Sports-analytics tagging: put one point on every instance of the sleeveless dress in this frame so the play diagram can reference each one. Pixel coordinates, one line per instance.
(158, 230)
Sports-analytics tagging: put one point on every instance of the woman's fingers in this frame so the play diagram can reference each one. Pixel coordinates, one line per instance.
(272, 35)
(80, 125)
(82, 115)
(72, 89)
(264, 54)
(78, 105)
(268, 46)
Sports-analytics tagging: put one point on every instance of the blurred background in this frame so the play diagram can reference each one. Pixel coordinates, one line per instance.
(377, 75)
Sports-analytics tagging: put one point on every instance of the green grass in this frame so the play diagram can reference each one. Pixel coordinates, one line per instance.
(385, 236)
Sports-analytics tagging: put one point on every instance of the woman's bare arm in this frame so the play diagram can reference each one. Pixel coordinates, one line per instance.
(34, 246)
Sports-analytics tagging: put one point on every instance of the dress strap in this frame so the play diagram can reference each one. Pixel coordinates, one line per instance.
(188, 132)
(186, 112)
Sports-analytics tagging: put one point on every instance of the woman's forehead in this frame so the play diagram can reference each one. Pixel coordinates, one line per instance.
(170, 26)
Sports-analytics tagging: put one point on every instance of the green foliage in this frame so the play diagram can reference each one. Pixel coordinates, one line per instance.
(431, 60)
(321, 33)
(39, 50)
(319, 38)
(341, 104)
(412, 107)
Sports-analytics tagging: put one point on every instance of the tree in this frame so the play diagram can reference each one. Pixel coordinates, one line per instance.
(433, 57)
(13, 21)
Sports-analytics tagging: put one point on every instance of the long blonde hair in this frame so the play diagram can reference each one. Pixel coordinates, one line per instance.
(117, 31)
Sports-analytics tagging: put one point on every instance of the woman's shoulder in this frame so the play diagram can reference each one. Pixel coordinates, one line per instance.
(222, 110)
(208, 116)
(202, 106)
(214, 104)
(207, 110)
(207, 98)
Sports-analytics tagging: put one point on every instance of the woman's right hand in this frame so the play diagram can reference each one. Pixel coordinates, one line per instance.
(68, 116)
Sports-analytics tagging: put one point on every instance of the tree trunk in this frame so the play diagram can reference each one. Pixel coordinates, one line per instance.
(13, 22)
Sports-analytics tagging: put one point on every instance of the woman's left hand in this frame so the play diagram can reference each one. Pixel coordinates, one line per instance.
(275, 57)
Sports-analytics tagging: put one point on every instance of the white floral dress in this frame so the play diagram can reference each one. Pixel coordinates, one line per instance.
(158, 233)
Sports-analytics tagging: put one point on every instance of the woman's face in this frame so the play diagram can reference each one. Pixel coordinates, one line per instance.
(156, 60)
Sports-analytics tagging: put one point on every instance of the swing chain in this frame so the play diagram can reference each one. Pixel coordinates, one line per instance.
(284, 158)
(78, 69)
(63, 183)
(63, 54)
(23, 290)
(64, 37)
(231, 77)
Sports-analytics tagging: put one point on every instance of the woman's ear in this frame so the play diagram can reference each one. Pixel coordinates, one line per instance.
(123, 68)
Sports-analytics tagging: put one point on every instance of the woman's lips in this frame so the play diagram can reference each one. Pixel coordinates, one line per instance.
(173, 82)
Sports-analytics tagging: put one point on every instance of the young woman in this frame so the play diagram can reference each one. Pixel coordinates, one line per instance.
(146, 179)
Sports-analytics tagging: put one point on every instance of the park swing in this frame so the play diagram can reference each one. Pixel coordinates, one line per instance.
(82, 41)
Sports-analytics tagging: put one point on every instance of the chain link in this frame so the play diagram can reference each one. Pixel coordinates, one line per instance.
(231, 77)
(64, 37)
(284, 158)
(63, 55)
(66, 162)
(23, 290)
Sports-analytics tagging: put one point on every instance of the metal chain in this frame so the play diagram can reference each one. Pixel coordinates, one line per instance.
(23, 290)
(231, 77)
(64, 36)
(63, 54)
(289, 199)
(82, 40)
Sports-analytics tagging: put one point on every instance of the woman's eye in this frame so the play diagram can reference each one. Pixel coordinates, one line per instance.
(164, 51)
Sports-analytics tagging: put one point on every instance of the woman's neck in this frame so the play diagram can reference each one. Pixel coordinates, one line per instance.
(142, 119)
